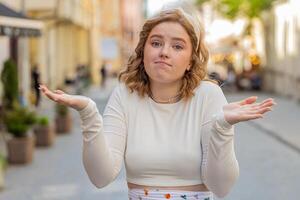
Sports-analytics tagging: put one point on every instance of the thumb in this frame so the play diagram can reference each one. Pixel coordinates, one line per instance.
(248, 100)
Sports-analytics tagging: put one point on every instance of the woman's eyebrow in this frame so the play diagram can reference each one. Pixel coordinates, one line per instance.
(156, 35)
(173, 38)
(180, 39)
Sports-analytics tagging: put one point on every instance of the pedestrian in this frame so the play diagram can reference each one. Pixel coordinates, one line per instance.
(35, 77)
(231, 78)
(172, 127)
(103, 73)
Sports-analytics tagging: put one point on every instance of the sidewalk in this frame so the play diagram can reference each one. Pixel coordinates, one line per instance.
(283, 123)
(57, 172)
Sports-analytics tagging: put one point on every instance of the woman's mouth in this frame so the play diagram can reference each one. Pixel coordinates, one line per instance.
(163, 62)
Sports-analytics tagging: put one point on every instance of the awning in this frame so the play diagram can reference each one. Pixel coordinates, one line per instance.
(14, 24)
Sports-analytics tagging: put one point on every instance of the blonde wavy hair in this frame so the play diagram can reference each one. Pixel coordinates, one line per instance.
(134, 75)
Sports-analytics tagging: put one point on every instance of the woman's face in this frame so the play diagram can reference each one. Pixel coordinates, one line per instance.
(167, 53)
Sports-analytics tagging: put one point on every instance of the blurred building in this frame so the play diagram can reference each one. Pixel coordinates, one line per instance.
(282, 74)
(83, 33)
(74, 33)
(15, 31)
(120, 24)
(111, 34)
(67, 38)
(132, 19)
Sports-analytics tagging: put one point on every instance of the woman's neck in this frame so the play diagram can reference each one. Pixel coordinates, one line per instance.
(165, 93)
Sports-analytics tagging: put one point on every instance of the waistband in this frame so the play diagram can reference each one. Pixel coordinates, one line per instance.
(158, 194)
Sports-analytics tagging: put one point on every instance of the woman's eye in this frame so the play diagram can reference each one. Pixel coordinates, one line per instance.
(156, 44)
(177, 47)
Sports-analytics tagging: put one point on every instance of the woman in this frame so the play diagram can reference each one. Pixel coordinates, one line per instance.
(173, 129)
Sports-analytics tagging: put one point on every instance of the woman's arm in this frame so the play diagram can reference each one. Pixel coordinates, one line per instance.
(104, 139)
(220, 168)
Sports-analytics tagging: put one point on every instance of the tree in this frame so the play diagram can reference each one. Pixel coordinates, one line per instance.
(235, 8)
(249, 9)
(9, 78)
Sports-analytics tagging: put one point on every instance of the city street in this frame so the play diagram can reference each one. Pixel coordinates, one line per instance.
(268, 152)
(249, 47)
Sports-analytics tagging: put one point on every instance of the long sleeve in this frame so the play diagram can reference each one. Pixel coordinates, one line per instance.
(220, 168)
(104, 140)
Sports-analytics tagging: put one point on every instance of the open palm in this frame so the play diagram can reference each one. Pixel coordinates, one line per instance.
(77, 102)
(246, 109)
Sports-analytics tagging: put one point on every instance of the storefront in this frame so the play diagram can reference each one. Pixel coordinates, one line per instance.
(15, 29)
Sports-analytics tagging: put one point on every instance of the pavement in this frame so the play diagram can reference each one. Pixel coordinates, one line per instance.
(57, 172)
(268, 152)
(283, 123)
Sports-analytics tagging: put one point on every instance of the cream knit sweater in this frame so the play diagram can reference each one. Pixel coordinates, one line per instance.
(179, 144)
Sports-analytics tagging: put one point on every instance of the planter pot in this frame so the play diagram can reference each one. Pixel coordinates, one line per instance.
(44, 135)
(20, 150)
(63, 123)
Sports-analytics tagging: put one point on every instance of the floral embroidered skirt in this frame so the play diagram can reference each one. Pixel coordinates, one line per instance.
(155, 194)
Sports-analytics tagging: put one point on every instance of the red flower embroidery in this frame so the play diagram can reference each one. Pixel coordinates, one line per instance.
(167, 196)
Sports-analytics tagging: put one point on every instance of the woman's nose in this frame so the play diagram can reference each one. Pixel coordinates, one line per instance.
(164, 52)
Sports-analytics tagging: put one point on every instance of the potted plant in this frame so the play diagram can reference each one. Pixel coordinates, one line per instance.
(3, 165)
(44, 132)
(21, 146)
(63, 120)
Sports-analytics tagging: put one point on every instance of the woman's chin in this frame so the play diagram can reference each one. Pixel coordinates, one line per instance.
(162, 80)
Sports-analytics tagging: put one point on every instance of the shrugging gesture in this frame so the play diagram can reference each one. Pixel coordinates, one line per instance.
(77, 102)
(247, 109)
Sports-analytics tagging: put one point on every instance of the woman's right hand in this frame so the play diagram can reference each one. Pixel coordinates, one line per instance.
(74, 101)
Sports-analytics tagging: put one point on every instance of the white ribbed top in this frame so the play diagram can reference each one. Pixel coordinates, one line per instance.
(179, 144)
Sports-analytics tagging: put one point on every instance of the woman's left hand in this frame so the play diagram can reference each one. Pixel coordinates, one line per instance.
(246, 109)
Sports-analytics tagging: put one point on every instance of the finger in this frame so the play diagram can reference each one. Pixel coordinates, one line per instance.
(248, 100)
(51, 95)
(43, 88)
(59, 92)
(267, 101)
(262, 110)
(253, 106)
(257, 107)
(250, 110)
(251, 117)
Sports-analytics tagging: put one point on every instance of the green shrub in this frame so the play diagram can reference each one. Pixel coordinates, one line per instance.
(43, 121)
(9, 78)
(31, 118)
(19, 120)
(61, 110)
